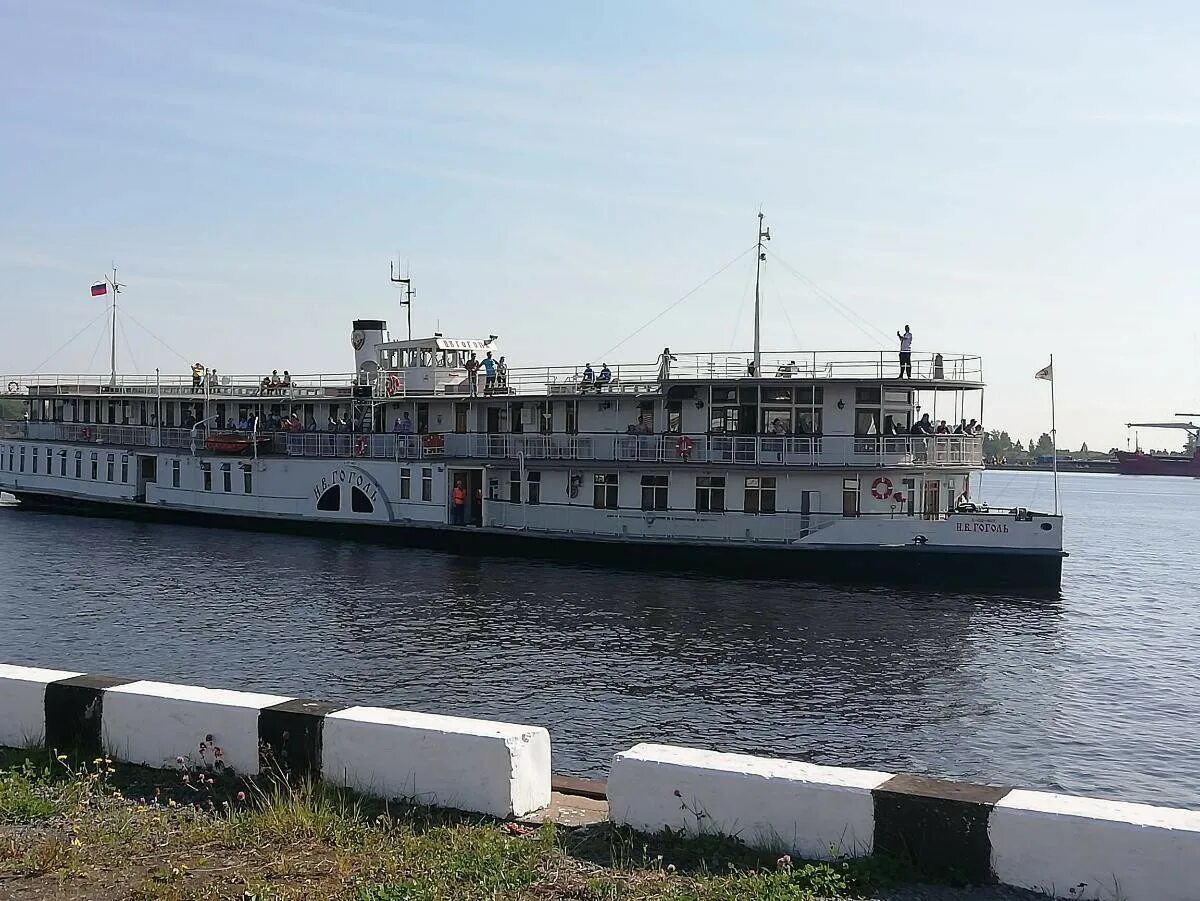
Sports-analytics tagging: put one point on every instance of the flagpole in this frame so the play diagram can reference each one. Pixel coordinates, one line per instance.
(112, 377)
(1053, 435)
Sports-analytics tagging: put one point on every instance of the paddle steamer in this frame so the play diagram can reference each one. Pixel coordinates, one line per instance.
(800, 464)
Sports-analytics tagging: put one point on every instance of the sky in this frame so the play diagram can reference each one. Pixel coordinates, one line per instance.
(1012, 179)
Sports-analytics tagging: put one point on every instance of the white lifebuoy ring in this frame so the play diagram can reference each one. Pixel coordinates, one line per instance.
(360, 446)
(392, 385)
(881, 488)
(683, 447)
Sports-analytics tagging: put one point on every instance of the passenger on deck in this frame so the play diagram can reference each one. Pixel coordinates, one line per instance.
(889, 427)
(197, 375)
(489, 375)
(905, 352)
(458, 502)
(922, 426)
(786, 370)
(274, 378)
(213, 381)
(502, 376)
(404, 424)
(265, 384)
(311, 425)
(665, 359)
(334, 425)
(961, 428)
(941, 428)
(604, 378)
(472, 367)
(974, 428)
(777, 427)
(589, 379)
(287, 379)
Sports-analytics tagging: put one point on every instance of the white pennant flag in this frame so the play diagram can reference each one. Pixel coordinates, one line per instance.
(1047, 373)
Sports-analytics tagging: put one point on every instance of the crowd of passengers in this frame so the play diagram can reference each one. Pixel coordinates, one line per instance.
(203, 377)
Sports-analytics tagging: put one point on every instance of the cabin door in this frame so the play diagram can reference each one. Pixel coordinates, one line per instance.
(147, 473)
(932, 508)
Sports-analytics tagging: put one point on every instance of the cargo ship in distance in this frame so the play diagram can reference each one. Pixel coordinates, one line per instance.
(802, 465)
(1140, 463)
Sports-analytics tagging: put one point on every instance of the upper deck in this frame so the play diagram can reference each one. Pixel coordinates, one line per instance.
(444, 376)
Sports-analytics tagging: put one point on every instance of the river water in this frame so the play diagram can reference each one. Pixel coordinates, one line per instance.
(1097, 693)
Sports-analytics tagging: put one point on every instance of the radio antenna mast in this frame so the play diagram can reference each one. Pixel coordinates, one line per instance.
(116, 289)
(406, 293)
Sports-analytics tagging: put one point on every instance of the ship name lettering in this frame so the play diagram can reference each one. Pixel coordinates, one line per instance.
(993, 527)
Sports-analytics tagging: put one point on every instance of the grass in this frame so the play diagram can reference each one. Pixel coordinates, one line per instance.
(89, 829)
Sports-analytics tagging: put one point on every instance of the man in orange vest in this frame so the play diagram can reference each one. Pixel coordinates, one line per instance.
(458, 500)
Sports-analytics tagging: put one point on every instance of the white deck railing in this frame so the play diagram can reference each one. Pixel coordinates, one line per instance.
(749, 450)
(626, 378)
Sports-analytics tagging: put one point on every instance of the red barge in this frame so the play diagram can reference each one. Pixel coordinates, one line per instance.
(1140, 463)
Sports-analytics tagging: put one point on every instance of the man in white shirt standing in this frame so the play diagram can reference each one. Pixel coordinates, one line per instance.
(905, 353)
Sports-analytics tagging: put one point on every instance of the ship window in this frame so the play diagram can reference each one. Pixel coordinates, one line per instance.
(10, 458)
(777, 396)
(867, 395)
(35, 461)
(427, 484)
(78, 464)
(866, 421)
(62, 463)
(514, 487)
(331, 500)
(724, 395)
(95, 466)
(572, 424)
(893, 396)
(760, 495)
(125, 468)
(206, 468)
(604, 493)
(710, 494)
(227, 477)
(110, 466)
(535, 487)
(23, 458)
(723, 420)
(247, 479)
(174, 473)
(405, 484)
(654, 492)
(359, 502)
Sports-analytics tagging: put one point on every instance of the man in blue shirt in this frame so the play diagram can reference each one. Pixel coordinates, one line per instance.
(489, 372)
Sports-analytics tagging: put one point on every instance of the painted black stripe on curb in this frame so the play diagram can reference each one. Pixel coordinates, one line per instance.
(290, 736)
(941, 826)
(74, 713)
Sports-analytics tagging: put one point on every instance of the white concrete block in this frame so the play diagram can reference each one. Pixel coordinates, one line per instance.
(815, 811)
(1135, 852)
(484, 767)
(152, 723)
(23, 703)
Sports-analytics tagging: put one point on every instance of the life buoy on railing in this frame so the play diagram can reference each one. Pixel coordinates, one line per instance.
(683, 447)
(14, 387)
(434, 445)
(392, 385)
(881, 488)
(360, 446)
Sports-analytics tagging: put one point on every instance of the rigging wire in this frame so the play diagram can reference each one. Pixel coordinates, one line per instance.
(741, 305)
(96, 349)
(128, 347)
(69, 340)
(156, 338)
(783, 307)
(676, 303)
(842, 309)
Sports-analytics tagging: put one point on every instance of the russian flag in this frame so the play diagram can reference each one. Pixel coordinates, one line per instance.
(99, 289)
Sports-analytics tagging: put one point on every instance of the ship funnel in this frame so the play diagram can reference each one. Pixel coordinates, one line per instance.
(367, 335)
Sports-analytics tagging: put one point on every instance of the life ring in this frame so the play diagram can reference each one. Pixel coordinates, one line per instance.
(683, 447)
(881, 488)
(14, 387)
(360, 446)
(392, 385)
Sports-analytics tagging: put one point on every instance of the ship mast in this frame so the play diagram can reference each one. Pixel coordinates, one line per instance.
(406, 294)
(116, 289)
(764, 234)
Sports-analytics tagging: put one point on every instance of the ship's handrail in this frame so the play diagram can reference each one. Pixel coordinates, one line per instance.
(626, 378)
(675, 449)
